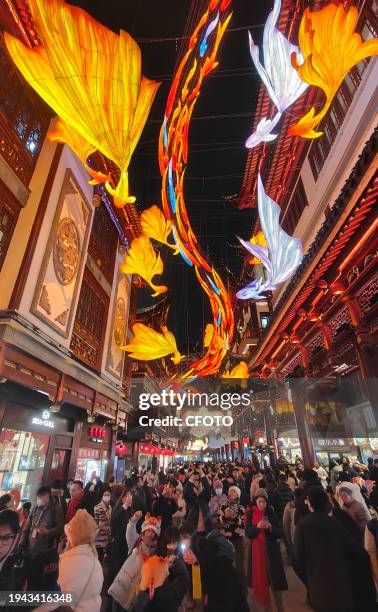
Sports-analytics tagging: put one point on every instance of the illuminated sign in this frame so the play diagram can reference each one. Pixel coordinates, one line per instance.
(44, 420)
(97, 434)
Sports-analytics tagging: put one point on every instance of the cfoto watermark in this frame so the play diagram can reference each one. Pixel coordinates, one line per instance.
(191, 420)
(189, 399)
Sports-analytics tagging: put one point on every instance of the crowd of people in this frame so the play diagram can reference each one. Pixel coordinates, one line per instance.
(217, 537)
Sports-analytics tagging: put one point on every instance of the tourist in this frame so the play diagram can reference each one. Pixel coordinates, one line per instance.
(281, 495)
(218, 498)
(265, 566)
(165, 506)
(322, 474)
(124, 587)
(10, 579)
(44, 525)
(356, 509)
(197, 494)
(102, 516)
(324, 551)
(231, 525)
(80, 571)
(78, 501)
(6, 502)
(121, 514)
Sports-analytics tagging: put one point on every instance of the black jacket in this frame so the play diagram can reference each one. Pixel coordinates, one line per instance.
(118, 544)
(196, 502)
(164, 507)
(52, 518)
(327, 557)
(277, 574)
(281, 495)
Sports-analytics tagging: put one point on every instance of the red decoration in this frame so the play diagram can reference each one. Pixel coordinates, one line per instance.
(120, 450)
(97, 432)
(246, 441)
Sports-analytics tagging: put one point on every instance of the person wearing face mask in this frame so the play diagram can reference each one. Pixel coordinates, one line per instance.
(44, 525)
(124, 587)
(121, 514)
(102, 516)
(218, 499)
(9, 529)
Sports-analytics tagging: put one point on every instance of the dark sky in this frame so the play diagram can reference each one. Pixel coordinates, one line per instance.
(216, 153)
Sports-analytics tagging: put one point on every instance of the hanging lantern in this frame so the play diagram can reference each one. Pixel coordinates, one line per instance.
(120, 450)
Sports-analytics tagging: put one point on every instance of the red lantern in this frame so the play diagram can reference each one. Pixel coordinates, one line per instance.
(245, 441)
(120, 450)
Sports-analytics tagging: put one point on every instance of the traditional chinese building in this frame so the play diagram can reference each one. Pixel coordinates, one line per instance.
(324, 321)
(64, 305)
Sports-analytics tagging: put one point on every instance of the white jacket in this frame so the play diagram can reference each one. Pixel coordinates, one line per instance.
(125, 584)
(80, 573)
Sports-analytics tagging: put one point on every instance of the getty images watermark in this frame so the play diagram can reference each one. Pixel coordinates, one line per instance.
(187, 401)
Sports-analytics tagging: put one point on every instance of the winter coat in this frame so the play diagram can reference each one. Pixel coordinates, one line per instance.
(195, 503)
(51, 517)
(125, 585)
(334, 477)
(102, 516)
(328, 558)
(164, 507)
(281, 495)
(371, 545)
(118, 546)
(358, 512)
(80, 573)
(230, 525)
(277, 575)
(169, 596)
(141, 499)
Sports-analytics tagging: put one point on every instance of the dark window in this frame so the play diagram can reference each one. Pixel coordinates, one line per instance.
(295, 209)
(9, 211)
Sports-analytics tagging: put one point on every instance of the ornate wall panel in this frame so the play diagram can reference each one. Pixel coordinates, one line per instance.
(115, 357)
(90, 322)
(9, 211)
(58, 281)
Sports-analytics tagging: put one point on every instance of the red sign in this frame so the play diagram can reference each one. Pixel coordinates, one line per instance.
(97, 433)
(245, 441)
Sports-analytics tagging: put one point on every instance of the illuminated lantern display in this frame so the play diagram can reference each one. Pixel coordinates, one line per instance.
(239, 371)
(209, 332)
(92, 79)
(149, 344)
(282, 255)
(142, 259)
(121, 450)
(156, 226)
(198, 61)
(259, 238)
(282, 81)
(330, 48)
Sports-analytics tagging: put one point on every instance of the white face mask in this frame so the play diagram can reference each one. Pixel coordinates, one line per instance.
(106, 499)
(218, 492)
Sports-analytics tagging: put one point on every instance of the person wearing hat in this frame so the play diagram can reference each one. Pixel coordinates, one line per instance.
(231, 525)
(354, 507)
(124, 587)
(265, 561)
(218, 498)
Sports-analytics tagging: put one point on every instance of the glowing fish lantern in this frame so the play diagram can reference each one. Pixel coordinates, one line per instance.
(142, 259)
(280, 257)
(148, 344)
(91, 78)
(259, 238)
(209, 333)
(156, 226)
(330, 48)
(282, 81)
(239, 371)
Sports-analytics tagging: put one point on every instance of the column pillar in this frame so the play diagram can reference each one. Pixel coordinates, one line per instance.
(306, 442)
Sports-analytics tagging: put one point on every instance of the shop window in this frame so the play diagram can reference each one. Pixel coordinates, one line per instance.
(22, 461)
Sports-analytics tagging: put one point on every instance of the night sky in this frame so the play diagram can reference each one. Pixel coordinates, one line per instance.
(217, 154)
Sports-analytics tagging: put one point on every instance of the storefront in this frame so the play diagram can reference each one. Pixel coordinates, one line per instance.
(36, 445)
(94, 455)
